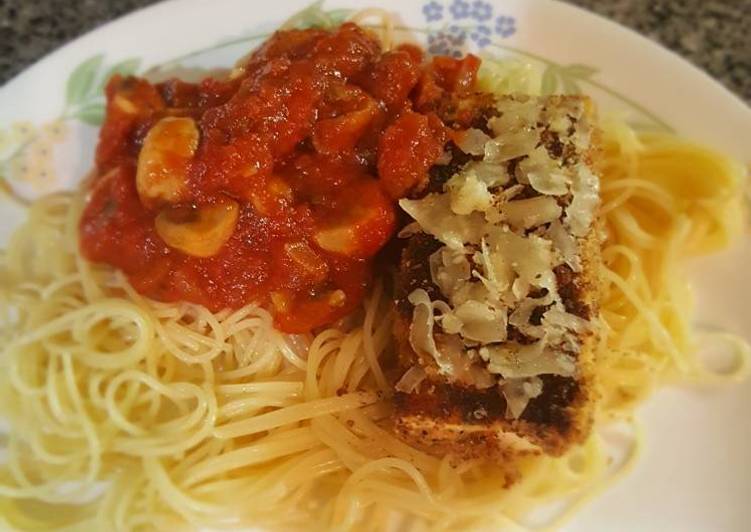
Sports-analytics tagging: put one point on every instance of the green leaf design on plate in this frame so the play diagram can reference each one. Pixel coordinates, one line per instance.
(92, 114)
(570, 86)
(565, 78)
(81, 80)
(578, 70)
(127, 67)
(337, 16)
(314, 16)
(549, 80)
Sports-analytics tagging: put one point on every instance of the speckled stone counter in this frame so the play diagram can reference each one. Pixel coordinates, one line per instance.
(713, 34)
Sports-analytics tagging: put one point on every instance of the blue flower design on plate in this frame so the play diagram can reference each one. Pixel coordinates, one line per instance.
(481, 35)
(438, 44)
(505, 26)
(447, 42)
(481, 11)
(459, 9)
(465, 20)
(456, 35)
(433, 11)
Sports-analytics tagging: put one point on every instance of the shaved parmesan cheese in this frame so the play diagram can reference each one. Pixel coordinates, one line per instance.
(530, 256)
(531, 212)
(513, 360)
(542, 173)
(466, 370)
(434, 214)
(497, 269)
(472, 291)
(520, 318)
(565, 244)
(468, 193)
(450, 323)
(557, 320)
(448, 269)
(581, 212)
(518, 393)
(448, 351)
(491, 174)
(411, 380)
(514, 114)
(409, 230)
(421, 331)
(511, 146)
(481, 322)
(472, 141)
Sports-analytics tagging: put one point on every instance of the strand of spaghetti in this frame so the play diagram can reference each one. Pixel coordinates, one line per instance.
(387, 464)
(293, 414)
(265, 450)
(206, 450)
(64, 322)
(625, 223)
(53, 396)
(654, 323)
(175, 391)
(344, 513)
(653, 192)
(195, 340)
(359, 371)
(290, 354)
(180, 501)
(371, 308)
(189, 358)
(64, 283)
(289, 389)
(270, 358)
(385, 24)
(395, 497)
(324, 344)
(389, 442)
(350, 450)
(342, 363)
(94, 450)
(15, 364)
(277, 482)
(251, 405)
(116, 501)
(315, 462)
(740, 371)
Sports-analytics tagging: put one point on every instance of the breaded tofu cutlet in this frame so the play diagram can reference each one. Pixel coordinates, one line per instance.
(497, 289)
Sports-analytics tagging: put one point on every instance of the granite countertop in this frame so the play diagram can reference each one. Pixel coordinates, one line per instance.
(712, 34)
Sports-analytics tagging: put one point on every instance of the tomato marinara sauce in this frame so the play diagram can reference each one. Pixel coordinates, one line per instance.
(276, 185)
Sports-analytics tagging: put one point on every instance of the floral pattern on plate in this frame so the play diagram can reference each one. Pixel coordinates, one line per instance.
(454, 24)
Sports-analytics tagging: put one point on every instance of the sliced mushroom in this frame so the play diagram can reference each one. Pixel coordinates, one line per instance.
(201, 231)
(307, 262)
(341, 239)
(272, 197)
(125, 105)
(163, 163)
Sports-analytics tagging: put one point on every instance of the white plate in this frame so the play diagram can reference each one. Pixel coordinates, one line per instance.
(696, 472)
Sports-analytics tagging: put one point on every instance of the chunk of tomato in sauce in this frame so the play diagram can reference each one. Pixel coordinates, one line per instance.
(393, 78)
(408, 148)
(444, 76)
